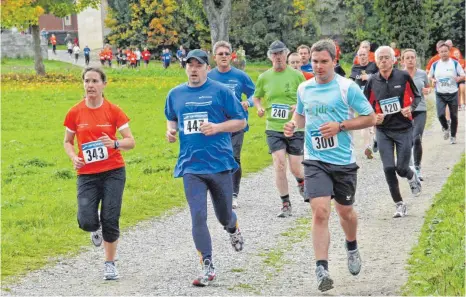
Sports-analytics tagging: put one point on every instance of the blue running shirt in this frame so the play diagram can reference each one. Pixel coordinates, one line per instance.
(335, 101)
(238, 82)
(211, 102)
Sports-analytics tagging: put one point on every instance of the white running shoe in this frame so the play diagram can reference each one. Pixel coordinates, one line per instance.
(401, 210)
(234, 203)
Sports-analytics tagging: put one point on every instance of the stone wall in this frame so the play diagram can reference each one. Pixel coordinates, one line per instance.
(15, 45)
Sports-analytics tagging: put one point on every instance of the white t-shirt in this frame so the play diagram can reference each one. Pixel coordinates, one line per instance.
(138, 54)
(76, 50)
(445, 74)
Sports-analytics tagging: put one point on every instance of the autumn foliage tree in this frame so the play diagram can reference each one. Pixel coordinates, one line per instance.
(25, 13)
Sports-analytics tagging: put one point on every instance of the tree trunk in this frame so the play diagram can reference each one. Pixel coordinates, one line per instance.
(38, 63)
(219, 19)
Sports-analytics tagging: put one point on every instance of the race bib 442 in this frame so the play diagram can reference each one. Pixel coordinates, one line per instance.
(94, 151)
(280, 111)
(192, 122)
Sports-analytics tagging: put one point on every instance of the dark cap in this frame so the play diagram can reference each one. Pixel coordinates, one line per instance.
(199, 55)
(277, 46)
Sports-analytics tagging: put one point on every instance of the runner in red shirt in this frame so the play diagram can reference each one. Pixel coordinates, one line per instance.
(132, 59)
(109, 56)
(94, 122)
(367, 45)
(397, 52)
(146, 56)
(53, 41)
(102, 55)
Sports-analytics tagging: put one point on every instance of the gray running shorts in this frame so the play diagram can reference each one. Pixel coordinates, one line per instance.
(324, 179)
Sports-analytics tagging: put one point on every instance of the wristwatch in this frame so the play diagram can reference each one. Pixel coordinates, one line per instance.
(117, 145)
(342, 127)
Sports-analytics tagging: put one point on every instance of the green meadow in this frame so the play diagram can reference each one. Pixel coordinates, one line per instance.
(38, 181)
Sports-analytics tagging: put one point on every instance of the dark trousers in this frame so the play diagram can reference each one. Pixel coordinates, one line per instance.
(444, 99)
(105, 187)
(403, 142)
(419, 123)
(220, 187)
(237, 143)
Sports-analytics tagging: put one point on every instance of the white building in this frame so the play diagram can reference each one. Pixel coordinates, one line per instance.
(91, 26)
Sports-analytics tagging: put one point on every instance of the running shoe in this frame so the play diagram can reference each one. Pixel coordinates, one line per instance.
(110, 272)
(418, 173)
(401, 210)
(452, 140)
(237, 240)
(301, 190)
(446, 133)
(207, 276)
(369, 152)
(354, 261)
(234, 202)
(96, 237)
(324, 282)
(285, 211)
(415, 185)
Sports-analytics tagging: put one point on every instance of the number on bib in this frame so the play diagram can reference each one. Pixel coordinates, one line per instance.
(445, 82)
(94, 151)
(192, 122)
(280, 111)
(319, 143)
(390, 105)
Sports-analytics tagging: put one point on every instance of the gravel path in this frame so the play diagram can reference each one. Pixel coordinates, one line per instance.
(158, 257)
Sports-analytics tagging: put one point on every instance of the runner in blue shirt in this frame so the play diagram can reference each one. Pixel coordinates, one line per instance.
(305, 53)
(205, 113)
(239, 83)
(166, 58)
(325, 109)
(87, 54)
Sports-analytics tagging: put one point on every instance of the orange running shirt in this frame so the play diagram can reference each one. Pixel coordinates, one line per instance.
(307, 75)
(435, 59)
(89, 124)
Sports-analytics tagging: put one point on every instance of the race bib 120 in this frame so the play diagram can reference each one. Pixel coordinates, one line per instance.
(94, 151)
(280, 111)
(390, 105)
(319, 143)
(192, 122)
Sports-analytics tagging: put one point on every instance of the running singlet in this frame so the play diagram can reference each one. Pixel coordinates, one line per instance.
(278, 91)
(335, 101)
(89, 124)
(445, 74)
(190, 107)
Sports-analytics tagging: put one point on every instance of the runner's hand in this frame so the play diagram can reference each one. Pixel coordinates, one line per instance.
(406, 112)
(77, 162)
(288, 128)
(171, 135)
(209, 129)
(425, 91)
(329, 129)
(107, 141)
(245, 105)
(380, 117)
(260, 112)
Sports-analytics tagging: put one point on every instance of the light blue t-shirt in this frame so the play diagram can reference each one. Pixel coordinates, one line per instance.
(87, 51)
(238, 82)
(335, 101)
(212, 102)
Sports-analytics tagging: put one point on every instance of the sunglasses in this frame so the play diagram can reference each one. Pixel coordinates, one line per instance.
(223, 54)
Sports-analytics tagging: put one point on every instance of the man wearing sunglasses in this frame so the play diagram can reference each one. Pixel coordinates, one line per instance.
(239, 83)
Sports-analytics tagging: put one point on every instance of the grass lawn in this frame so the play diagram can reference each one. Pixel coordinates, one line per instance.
(38, 181)
(437, 263)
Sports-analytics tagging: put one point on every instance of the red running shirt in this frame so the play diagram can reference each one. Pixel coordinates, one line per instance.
(89, 124)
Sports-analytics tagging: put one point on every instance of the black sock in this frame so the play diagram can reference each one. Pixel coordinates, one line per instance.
(323, 263)
(351, 245)
(299, 180)
(286, 198)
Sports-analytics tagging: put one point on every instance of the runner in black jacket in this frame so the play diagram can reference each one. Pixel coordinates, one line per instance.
(394, 96)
